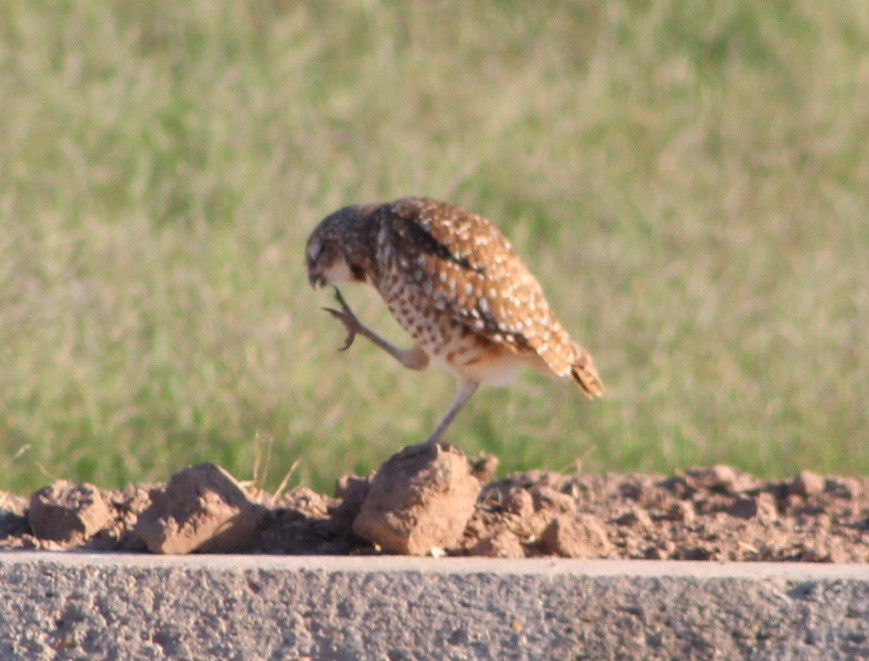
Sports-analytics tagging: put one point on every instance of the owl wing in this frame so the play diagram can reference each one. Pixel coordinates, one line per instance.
(469, 270)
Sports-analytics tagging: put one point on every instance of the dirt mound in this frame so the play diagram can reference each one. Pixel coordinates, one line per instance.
(439, 502)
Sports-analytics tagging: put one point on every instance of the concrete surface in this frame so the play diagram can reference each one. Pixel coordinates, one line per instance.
(252, 607)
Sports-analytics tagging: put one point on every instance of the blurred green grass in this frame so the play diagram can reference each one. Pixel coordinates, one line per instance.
(688, 179)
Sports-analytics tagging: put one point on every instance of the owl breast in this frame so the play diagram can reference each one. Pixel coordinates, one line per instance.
(446, 341)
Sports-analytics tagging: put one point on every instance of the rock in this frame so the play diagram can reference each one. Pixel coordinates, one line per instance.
(681, 511)
(632, 489)
(351, 491)
(635, 518)
(351, 488)
(64, 512)
(484, 467)
(719, 477)
(305, 499)
(577, 536)
(767, 510)
(694, 553)
(678, 486)
(518, 501)
(743, 508)
(419, 500)
(12, 504)
(846, 488)
(202, 508)
(547, 499)
(13, 515)
(502, 544)
(761, 506)
(654, 553)
(806, 483)
(125, 506)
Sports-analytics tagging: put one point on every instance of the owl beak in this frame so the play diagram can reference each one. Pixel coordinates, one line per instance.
(316, 280)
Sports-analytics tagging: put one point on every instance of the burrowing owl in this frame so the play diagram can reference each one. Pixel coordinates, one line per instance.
(454, 282)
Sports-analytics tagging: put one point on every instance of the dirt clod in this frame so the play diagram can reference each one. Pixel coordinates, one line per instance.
(419, 500)
(721, 478)
(635, 517)
(579, 536)
(63, 511)
(203, 509)
(806, 483)
(503, 544)
(548, 499)
(13, 516)
(681, 511)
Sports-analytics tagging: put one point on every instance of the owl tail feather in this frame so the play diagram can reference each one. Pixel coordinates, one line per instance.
(582, 371)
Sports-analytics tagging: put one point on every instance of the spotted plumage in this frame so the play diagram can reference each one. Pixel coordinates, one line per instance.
(455, 284)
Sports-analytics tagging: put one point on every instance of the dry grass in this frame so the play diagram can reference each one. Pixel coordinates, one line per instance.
(688, 179)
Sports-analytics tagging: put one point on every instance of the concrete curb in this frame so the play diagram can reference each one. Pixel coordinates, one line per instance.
(74, 605)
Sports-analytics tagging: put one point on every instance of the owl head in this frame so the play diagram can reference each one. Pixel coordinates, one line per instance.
(339, 248)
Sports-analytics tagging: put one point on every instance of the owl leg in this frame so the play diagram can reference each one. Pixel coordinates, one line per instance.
(413, 358)
(464, 391)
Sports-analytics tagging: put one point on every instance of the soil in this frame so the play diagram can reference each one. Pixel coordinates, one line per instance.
(441, 503)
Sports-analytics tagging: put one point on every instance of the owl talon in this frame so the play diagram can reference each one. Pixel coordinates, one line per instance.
(348, 341)
(345, 316)
(350, 323)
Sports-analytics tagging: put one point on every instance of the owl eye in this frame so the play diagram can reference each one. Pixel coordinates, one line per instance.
(314, 251)
(358, 272)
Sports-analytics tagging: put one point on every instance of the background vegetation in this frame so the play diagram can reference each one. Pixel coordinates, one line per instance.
(689, 180)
